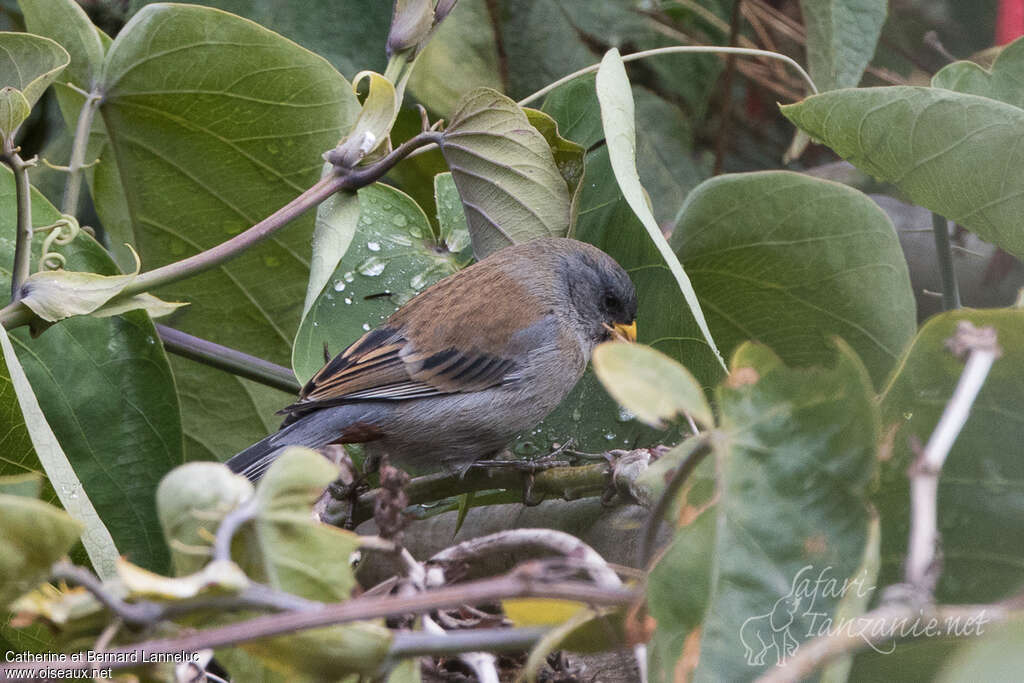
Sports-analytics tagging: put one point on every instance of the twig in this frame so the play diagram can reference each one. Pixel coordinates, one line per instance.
(514, 585)
(518, 540)
(23, 195)
(883, 627)
(944, 253)
(230, 525)
(228, 359)
(982, 350)
(677, 49)
(701, 447)
(73, 185)
(131, 613)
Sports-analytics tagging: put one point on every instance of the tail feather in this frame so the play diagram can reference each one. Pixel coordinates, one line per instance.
(312, 431)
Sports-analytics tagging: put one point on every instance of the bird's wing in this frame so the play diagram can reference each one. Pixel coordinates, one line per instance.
(384, 365)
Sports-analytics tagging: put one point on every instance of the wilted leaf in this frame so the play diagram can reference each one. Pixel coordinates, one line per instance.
(30, 63)
(217, 576)
(510, 186)
(369, 138)
(649, 384)
(841, 39)
(539, 611)
(952, 153)
(613, 92)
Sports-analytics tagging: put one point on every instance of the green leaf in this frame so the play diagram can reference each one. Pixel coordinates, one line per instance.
(841, 39)
(997, 655)
(229, 130)
(451, 217)
(391, 258)
(1002, 82)
(510, 186)
(107, 392)
(463, 44)
(373, 125)
(619, 125)
(67, 23)
(30, 63)
(35, 536)
(567, 154)
(336, 220)
(791, 261)
(790, 509)
(649, 384)
(26, 521)
(952, 153)
(979, 502)
(14, 109)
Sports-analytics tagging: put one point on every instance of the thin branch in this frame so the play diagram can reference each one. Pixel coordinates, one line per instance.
(944, 253)
(23, 194)
(519, 584)
(701, 447)
(406, 645)
(880, 629)
(228, 359)
(231, 523)
(73, 185)
(130, 613)
(982, 350)
(677, 49)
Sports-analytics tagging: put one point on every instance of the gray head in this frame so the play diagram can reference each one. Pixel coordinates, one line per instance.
(601, 293)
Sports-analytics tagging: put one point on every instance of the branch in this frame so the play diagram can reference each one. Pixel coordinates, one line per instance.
(982, 350)
(73, 186)
(950, 290)
(519, 584)
(23, 194)
(228, 359)
(701, 447)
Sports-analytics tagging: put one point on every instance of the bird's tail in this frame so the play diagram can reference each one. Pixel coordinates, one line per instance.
(314, 430)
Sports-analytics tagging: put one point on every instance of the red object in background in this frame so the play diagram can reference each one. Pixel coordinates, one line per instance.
(1009, 21)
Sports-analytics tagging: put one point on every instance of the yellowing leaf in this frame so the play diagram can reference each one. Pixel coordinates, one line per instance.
(540, 611)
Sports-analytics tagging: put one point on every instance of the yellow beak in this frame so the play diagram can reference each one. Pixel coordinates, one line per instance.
(626, 331)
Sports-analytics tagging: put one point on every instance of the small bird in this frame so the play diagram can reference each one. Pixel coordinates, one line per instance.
(464, 366)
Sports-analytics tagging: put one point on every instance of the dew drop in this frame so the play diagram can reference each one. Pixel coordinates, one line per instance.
(348, 300)
(399, 220)
(366, 327)
(373, 246)
(624, 415)
(419, 280)
(349, 276)
(372, 266)
(609, 436)
(339, 286)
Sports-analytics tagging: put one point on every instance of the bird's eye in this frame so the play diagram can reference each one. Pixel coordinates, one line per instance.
(610, 302)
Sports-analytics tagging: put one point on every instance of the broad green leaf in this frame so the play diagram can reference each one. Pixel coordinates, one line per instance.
(392, 257)
(619, 124)
(35, 536)
(451, 218)
(791, 261)
(576, 109)
(997, 655)
(841, 39)
(952, 153)
(510, 186)
(21, 517)
(229, 130)
(1003, 82)
(67, 23)
(30, 63)
(14, 109)
(348, 33)
(107, 392)
(790, 513)
(649, 384)
(979, 502)
(465, 45)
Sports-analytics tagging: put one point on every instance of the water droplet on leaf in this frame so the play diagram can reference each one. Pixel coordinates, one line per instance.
(372, 266)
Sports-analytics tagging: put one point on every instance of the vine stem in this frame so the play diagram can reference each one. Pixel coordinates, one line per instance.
(678, 49)
(23, 194)
(944, 252)
(73, 187)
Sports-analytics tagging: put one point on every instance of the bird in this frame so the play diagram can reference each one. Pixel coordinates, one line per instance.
(454, 374)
